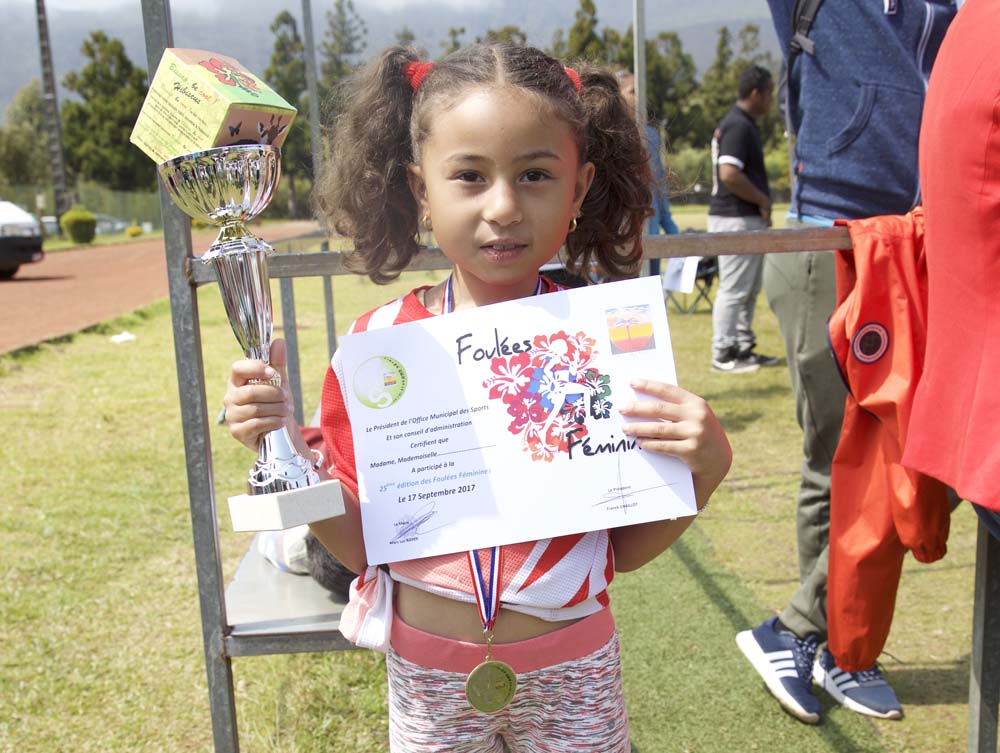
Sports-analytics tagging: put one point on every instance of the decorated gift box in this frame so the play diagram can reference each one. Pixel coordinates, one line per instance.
(198, 100)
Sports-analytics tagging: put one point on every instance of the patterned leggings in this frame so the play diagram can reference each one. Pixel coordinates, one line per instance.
(575, 706)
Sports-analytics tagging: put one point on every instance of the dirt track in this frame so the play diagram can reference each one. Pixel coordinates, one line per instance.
(70, 290)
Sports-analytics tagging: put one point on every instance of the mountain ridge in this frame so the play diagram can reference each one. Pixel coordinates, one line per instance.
(247, 36)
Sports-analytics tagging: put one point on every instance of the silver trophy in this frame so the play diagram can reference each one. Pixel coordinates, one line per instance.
(229, 186)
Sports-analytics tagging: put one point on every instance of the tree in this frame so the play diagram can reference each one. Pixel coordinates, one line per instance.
(286, 74)
(584, 42)
(672, 85)
(96, 129)
(23, 156)
(618, 48)
(721, 82)
(771, 126)
(343, 43)
(405, 37)
(509, 34)
(453, 42)
(558, 47)
(50, 108)
(671, 78)
(718, 85)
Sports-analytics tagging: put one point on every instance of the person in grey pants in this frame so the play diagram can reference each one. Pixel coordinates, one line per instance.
(855, 96)
(740, 201)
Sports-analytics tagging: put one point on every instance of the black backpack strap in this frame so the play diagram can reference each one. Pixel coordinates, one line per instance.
(803, 16)
(802, 21)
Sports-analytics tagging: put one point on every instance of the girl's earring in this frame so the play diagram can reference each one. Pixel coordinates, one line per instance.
(426, 222)
(572, 224)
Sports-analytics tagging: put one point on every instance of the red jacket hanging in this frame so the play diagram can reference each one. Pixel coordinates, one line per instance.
(878, 508)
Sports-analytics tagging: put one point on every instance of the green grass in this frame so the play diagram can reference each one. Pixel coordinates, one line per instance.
(100, 642)
(695, 216)
(56, 243)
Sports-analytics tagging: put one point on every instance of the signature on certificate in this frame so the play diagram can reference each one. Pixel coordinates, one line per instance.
(412, 526)
(625, 493)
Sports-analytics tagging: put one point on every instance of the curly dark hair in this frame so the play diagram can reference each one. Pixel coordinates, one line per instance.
(363, 191)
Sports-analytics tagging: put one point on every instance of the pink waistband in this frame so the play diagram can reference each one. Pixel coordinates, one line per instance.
(568, 643)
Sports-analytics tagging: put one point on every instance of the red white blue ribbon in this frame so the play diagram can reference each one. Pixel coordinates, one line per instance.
(448, 302)
(487, 592)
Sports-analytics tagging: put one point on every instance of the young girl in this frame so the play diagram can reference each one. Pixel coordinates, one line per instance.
(507, 156)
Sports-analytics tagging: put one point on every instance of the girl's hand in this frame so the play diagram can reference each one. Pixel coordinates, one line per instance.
(681, 424)
(253, 410)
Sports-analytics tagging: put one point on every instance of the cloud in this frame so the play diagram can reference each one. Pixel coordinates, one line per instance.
(457, 4)
(188, 5)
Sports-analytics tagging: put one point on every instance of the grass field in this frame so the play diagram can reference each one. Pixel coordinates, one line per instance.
(100, 643)
(55, 243)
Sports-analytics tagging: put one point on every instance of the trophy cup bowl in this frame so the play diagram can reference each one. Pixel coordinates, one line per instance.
(228, 186)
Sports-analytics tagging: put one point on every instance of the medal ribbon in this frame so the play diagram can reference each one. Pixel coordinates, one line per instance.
(448, 302)
(487, 596)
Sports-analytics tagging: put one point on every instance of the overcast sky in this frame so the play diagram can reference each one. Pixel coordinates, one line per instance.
(51, 5)
(240, 28)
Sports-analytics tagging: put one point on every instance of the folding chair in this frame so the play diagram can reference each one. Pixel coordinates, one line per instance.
(708, 269)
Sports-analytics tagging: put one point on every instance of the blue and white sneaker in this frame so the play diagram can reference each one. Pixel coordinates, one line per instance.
(866, 692)
(785, 662)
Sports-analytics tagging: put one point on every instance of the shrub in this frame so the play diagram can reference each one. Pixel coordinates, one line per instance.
(133, 231)
(691, 170)
(776, 164)
(79, 224)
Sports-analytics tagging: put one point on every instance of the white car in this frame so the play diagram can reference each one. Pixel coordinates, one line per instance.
(20, 239)
(106, 224)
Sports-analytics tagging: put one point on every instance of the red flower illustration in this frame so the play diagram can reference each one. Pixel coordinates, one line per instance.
(512, 376)
(547, 391)
(230, 76)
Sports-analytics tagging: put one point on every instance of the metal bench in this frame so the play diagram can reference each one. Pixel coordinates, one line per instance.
(270, 611)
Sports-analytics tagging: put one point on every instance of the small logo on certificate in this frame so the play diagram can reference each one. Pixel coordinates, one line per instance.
(380, 382)
(630, 329)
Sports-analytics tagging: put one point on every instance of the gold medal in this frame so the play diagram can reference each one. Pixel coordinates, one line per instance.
(491, 686)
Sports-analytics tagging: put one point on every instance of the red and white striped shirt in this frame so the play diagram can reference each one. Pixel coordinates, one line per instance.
(553, 579)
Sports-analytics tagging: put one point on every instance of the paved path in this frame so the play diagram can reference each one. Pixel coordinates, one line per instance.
(70, 290)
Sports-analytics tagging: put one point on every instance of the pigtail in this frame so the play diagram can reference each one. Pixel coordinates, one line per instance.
(363, 191)
(612, 217)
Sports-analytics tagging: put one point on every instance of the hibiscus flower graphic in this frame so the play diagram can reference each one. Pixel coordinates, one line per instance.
(549, 391)
(231, 76)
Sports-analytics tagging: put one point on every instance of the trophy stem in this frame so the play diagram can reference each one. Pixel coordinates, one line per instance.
(241, 269)
(279, 466)
(234, 230)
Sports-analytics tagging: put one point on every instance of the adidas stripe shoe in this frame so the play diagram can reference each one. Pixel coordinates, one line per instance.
(785, 663)
(866, 692)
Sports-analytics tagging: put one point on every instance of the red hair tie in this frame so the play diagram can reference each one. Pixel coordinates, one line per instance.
(574, 77)
(416, 73)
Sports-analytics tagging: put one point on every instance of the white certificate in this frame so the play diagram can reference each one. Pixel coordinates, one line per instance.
(500, 424)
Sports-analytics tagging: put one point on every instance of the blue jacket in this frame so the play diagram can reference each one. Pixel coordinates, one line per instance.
(855, 105)
(654, 144)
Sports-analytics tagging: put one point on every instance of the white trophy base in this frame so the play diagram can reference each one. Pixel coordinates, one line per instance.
(280, 510)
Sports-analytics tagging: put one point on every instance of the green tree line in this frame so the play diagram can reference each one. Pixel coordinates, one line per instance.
(109, 92)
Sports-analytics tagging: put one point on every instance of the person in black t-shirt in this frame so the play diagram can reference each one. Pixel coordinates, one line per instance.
(740, 201)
